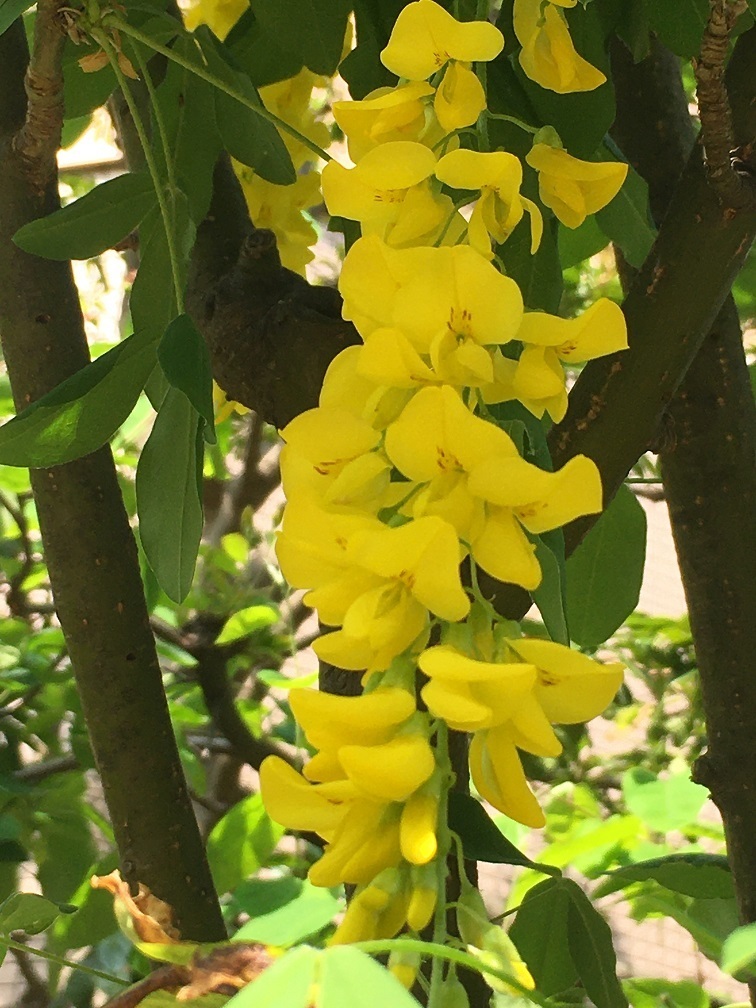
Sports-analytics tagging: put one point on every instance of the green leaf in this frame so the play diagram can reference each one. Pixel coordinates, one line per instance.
(664, 804)
(247, 136)
(634, 30)
(27, 912)
(83, 412)
(549, 595)
(94, 919)
(263, 57)
(10, 10)
(241, 843)
(185, 360)
(153, 299)
(679, 24)
(93, 223)
(605, 572)
(351, 979)
(706, 876)
(168, 496)
(285, 984)
(739, 950)
(247, 621)
(164, 999)
(284, 911)
(650, 993)
(578, 244)
(362, 68)
(592, 950)
(481, 838)
(540, 932)
(627, 219)
(84, 92)
(538, 276)
(313, 29)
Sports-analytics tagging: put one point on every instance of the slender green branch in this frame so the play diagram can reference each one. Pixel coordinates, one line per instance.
(159, 120)
(60, 961)
(123, 26)
(102, 39)
(511, 119)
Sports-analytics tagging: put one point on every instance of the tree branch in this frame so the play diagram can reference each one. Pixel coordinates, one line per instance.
(734, 189)
(90, 550)
(617, 404)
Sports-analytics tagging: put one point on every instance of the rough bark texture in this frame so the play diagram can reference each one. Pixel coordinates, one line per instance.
(617, 406)
(709, 471)
(90, 550)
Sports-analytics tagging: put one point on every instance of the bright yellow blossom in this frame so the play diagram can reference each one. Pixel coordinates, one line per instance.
(548, 55)
(348, 387)
(497, 774)
(330, 721)
(536, 378)
(426, 38)
(291, 101)
(573, 188)
(376, 190)
(499, 210)
(365, 842)
(455, 307)
(281, 209)
(386, 115)
(220, 15)
(416, 568)
(296, 803)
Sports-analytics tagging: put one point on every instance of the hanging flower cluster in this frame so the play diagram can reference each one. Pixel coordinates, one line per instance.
(401, 474)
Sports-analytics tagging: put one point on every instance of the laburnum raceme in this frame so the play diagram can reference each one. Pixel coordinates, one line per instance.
(414, 464)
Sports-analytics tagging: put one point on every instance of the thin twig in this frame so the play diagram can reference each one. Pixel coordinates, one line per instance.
(163, 978)
(16, 598)
(36, 987)
(38, 140)
(735, 189)
(35, 772)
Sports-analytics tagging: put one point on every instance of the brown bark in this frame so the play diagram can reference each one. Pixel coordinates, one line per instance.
(89, 546)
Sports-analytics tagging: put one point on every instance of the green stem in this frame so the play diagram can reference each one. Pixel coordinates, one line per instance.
(511, 119)
(60, 961)
(159, 120)
(232, 92)
(444, 845)
(102, 39)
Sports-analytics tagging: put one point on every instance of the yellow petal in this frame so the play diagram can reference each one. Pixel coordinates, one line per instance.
(294, 803)
(505, 552)
(391, 771)
(498, 775)
(571, 686)
(389, 358)
(384, 115)
(530, 729)
(425, 36)
(548, 55)
(369, 719)
(418, 832)
(574, 188)
(460, 98)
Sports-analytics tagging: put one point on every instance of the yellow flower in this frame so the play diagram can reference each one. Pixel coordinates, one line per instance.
(365, 842)
(329, 454)
(417, 833)
(371, 276)
(330, 721)
(378, 910)
(416, 567)
(296, 804)
(573, 188)
(571, 687)
(219, 15)
(291, 101)
(521, 494)
(281, 209)
(375, 191)
(499, 210)
(453, 308)
(348, 387)
(223, 407)
(497, 773)
(470, 694)
(536, 379)
(388, 357)
(548, 56)
(426, 38)
(385, 115)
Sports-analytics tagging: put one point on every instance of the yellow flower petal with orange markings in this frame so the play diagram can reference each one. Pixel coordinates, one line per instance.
(458, 292)
(425, 37)
(600, 330)
(571, 687)
(374, 189)
(548, 55)
(497, 773)
(390, 771)
(417, 833)
(540, 500)
(573, 188)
